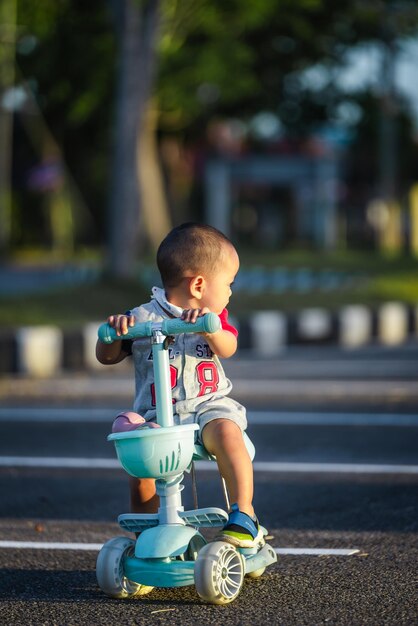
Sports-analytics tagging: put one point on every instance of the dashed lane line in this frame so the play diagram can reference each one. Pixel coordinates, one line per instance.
(259, 418)
(317, 551)
(259, 466)
(93, 547)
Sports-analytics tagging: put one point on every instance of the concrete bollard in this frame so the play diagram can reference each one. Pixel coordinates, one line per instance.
(355, 322)
(39, 350)
(314, 324)
(393, 323)
(269, 332)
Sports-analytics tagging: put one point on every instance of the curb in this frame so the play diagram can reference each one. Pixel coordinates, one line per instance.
(115, 392)
(44, 351)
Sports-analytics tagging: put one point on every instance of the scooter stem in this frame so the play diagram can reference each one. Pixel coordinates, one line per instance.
(164, 403)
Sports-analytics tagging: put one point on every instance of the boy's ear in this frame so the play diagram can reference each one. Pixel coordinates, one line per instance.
(197, 284)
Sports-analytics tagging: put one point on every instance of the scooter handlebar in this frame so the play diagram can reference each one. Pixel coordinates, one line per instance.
(208, 323)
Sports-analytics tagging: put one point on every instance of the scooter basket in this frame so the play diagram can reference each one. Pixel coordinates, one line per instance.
(155, 452)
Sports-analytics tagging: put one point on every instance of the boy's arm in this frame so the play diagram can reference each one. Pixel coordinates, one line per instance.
(109, 354)
(223, 343)
(112, 353)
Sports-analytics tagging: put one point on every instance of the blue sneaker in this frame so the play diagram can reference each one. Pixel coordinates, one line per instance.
(241, 530)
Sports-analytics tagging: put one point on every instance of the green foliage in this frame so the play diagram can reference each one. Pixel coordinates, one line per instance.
(72, 71)
(217, 58)
(245, 56)
(73, 61)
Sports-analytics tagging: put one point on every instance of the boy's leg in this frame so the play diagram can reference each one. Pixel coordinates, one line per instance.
(223, 438)
(143, 496)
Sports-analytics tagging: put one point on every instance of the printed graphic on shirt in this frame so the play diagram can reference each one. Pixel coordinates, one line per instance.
(194, 370)
(208, 377)
(203, 350)
(172, 354)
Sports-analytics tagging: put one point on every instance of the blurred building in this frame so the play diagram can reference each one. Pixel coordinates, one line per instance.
(277, 199)
(278, 194)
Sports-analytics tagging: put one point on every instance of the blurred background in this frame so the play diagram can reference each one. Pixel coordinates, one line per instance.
(291, 126)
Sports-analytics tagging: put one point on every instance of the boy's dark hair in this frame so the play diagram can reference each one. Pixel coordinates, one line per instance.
(190, 247)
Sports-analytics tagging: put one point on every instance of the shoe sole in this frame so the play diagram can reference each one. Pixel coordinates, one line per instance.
(243, 543)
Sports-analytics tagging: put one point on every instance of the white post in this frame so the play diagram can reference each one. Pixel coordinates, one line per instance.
(314, 324)
(355, 326)
(393, 323)
(39, 350)
(269, 332)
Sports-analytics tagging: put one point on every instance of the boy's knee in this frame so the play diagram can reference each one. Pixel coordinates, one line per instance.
(220, 432)
(143, 495)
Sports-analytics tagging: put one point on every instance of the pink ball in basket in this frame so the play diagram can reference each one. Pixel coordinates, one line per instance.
(130, 421)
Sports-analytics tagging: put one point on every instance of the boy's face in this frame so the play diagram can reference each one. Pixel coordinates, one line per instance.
(217, 289)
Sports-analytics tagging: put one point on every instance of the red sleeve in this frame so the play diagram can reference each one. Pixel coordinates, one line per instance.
(226, 325)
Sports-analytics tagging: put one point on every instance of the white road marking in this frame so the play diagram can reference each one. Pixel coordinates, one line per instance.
(58, 414)
(332, 468)
(317, 551)
(50, 545)
(264, 418)
(287, 418)
(58, 462)
(92, 547)
(259, 466)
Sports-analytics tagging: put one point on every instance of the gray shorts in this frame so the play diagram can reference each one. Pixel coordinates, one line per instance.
(201, 411)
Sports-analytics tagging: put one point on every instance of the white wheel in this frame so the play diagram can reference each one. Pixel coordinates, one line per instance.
(256, 573)
(219, 573)
(109, 570)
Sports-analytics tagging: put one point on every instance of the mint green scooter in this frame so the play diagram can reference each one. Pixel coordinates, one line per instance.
(169, 550)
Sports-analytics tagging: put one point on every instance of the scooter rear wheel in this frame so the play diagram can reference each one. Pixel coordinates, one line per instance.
(109, 570)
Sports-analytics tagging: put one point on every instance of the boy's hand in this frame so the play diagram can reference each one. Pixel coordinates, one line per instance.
(191, 315)
(222, 342)
(121, 323)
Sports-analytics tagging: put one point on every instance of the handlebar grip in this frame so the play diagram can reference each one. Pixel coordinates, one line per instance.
(208, 323)
(107, 334)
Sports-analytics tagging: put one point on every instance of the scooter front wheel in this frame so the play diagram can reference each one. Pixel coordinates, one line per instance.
(110, 573)
(219, 573)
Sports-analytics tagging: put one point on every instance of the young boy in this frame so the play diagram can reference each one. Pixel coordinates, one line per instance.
(198, 265)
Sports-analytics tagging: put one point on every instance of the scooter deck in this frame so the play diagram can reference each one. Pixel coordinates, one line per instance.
(199, 518)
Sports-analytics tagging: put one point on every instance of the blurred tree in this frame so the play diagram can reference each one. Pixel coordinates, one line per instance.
(7, 72)
(216, 58)
(65, 53)
(248, 57)
(76, 55)
(137, 27)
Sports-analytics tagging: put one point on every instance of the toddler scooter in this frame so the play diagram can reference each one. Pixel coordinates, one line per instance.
(169, 550)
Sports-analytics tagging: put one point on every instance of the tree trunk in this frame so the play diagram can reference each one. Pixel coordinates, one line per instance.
(155, 211)
(138, 22)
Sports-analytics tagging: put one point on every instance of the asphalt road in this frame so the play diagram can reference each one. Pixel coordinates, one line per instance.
(343, 477)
